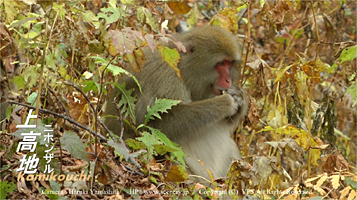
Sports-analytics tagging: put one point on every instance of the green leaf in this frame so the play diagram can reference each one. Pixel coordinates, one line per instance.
(50, 61)
(6, 188)
(89, 16)
(50, 194)
(347, 54)
(161, 136)
(90, 85)
(340, 133)
(18, 23)
(157, 142)
(149, 141)
(120, 148)
(72, 143)
(59, 7)
(56, 186)
(175, 149)
(352, 90)
(351, 183)
(134, 144)
(32, 98)
(114, 69)
(126, 102)
(153, 179)
(9, 110)
(19, 82)
(193, 16)
(111, 14)
(163, 149)
(144, 15)
(179, 155)
(161, 105)
(128, 2)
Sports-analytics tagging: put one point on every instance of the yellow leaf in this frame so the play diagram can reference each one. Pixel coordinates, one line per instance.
(11, 9)
(312, 179)
(286, 191)
(317, 187)
(354, 178)
(172, 57)
(226, 18)
(315, 156)
(335, 179)
(193, 16)
(353, 195)
(112, 50)
(179, 8)
(321, 180)
(345, 192)
(136, 59)
(308, 185)
(320, 190)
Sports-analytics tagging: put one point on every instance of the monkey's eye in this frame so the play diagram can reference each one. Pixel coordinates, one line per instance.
(221, 63)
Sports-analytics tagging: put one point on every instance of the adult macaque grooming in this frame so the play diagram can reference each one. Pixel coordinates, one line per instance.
(211, 106)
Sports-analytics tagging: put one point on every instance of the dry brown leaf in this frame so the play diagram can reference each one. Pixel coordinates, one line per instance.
(44, 184)
(156, 166)
(79, 114)
(334, 161)
(167, 13)
(113, 166)
(176, 174)
(76, 168)
(102, 178)
(21, 186)
(262, 74)
(116, 197)
(149, 38)
(253, 115)
(199, 186)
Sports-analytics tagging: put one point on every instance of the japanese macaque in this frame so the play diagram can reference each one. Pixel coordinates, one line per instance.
(212, 103)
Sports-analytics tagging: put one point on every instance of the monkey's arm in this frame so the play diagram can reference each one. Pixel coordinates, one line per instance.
(186, 117)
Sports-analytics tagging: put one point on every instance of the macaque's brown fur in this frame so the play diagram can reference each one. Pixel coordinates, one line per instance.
(203, 122)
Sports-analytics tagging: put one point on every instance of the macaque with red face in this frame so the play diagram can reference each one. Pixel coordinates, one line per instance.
(212, 104)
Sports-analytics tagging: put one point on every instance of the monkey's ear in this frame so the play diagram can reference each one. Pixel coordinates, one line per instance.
(190, 49)
(190, 46)
(189, 41)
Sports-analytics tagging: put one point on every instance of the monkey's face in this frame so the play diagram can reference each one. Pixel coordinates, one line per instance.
(224, 78)
(210, 64)
(211, 76)
(218, 78)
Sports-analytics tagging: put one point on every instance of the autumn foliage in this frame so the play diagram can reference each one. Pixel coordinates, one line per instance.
(298, 140)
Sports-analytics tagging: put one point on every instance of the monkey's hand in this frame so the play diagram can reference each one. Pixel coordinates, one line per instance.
(237, 95)
(232, 103)
(240, 101)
